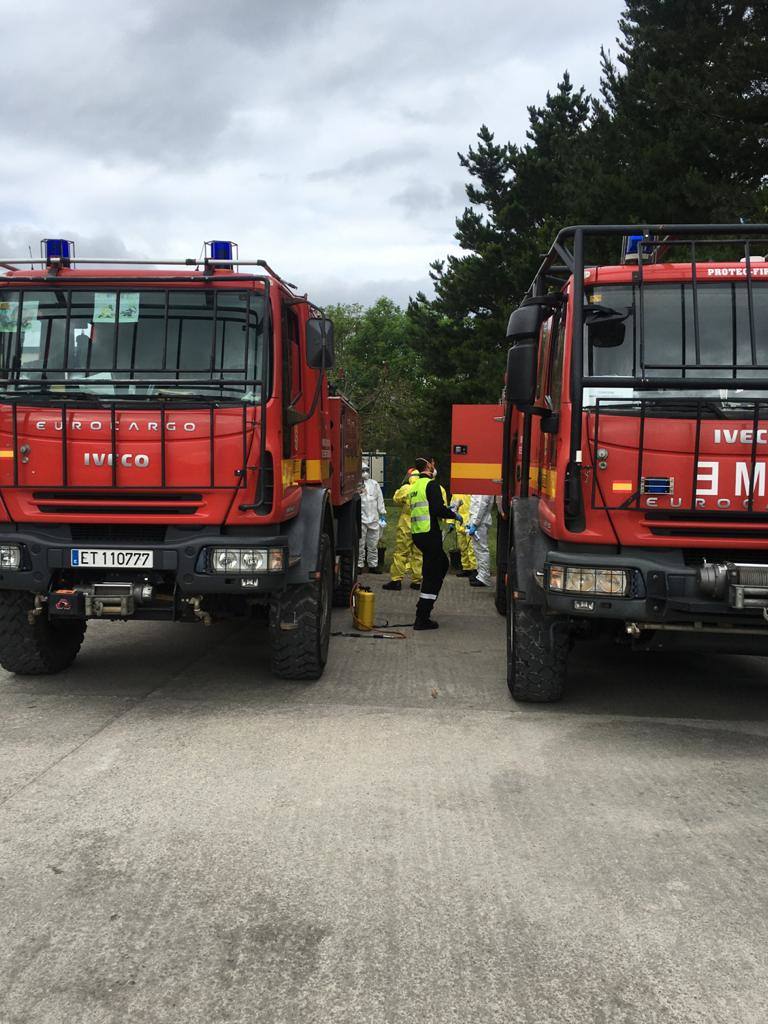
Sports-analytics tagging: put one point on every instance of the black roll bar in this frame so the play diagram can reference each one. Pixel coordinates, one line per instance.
(566, 258)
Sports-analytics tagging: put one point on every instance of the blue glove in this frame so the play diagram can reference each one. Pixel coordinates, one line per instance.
(472, 530)
(382, 522)
(459, 518)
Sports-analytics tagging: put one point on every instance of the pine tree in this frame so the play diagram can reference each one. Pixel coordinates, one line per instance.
(517, 195)
(682, 129)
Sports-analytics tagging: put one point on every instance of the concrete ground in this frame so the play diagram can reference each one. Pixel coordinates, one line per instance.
(184, 839)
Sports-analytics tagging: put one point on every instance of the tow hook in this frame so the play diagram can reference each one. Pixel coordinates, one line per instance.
(39, 608)
(199, 612)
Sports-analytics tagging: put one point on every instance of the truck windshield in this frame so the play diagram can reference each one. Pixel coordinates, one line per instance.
(138, 344)
(663, 338)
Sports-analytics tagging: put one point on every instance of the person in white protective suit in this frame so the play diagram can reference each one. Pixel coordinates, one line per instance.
(480, 507)
(372, 519)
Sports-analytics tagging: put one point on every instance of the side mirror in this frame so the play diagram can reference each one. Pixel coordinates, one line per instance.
(605, 326)
(521, 374)
(525, 322)
(523, 332)
(320, 343)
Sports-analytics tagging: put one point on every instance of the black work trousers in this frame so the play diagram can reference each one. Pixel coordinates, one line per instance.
(436, 562)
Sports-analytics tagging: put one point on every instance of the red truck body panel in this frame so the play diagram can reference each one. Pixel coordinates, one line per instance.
(164, 462)
(669, 447)
(476, 449)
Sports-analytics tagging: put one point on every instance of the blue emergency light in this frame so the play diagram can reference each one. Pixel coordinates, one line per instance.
(633, 244)
(60, 249)
(222, 250)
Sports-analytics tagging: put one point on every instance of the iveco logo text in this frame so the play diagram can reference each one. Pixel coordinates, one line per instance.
(740, 436)
(140, 461)
(170, 426)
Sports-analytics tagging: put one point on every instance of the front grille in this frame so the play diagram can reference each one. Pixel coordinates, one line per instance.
(697, 556)
(671, 515)
(113, 533)
(121, 495)
(121, 502)
(118, 510)
(714, 534)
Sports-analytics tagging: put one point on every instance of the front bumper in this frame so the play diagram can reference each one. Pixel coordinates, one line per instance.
(180, 558)
(664, 590)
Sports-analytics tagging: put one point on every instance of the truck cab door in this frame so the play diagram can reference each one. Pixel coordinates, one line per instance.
(476, 448)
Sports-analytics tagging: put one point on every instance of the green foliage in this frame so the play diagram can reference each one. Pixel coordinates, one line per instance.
(678, 134)
(684, 122)
(378, 370)
(518, 196)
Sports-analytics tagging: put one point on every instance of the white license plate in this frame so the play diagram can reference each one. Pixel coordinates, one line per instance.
(110, 558)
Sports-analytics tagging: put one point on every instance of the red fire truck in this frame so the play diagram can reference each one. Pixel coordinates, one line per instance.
(169, 449)
(635, 445)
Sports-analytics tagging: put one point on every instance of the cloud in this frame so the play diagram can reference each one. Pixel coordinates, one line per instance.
(419, 198)
(319, 134)
(335, 290)
(379, 161)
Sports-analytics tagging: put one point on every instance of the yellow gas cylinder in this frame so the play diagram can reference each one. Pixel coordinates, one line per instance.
(363, 605)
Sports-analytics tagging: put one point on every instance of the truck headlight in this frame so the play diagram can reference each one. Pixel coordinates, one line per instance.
(588, 580)
(245, 561)
(10, 556)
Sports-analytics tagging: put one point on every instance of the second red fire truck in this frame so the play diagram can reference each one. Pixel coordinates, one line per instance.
(635, 448)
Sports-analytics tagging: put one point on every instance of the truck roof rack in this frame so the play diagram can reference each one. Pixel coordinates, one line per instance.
(566, 253)
(13, 264)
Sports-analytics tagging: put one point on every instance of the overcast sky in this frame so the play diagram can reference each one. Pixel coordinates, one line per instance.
(321, 135)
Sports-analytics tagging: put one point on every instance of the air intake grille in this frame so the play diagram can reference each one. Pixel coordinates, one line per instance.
(114, 533)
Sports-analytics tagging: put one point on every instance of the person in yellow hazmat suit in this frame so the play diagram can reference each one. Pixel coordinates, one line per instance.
(407, 557)
(460, 503)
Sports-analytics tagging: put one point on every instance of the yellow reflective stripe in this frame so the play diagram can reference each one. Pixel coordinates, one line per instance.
(476, 471)
(6, 453)
(547, 485)
(291, 471)
(317, 469)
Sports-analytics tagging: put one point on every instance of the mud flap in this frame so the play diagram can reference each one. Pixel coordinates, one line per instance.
(304, 533)
(347, 520)
(529, 550)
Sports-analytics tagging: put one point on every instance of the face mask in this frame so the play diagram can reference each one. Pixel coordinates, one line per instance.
(366, 476)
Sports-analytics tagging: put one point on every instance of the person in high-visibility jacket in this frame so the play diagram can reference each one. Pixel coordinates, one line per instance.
(407, 557)
(428, 507)
(460, 502)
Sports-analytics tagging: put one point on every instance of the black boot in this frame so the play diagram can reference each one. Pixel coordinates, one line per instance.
(423, 608)
(393, 585)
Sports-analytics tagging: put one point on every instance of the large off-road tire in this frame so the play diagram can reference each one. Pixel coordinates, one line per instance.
(346, 579)
(537, 653)
(300, 623)
(37, 648)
